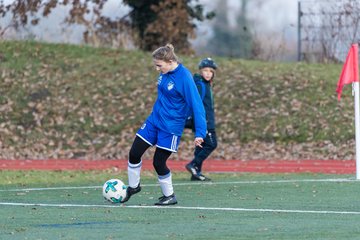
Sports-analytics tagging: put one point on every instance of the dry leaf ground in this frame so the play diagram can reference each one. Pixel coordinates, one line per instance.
(64, 101)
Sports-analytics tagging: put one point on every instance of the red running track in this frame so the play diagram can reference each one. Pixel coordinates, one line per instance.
(260, 166)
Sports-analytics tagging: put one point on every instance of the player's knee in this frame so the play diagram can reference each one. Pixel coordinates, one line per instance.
(213, 144)
(160, 168)
(134, 157)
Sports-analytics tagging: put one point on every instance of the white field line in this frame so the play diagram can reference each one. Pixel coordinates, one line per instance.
(181, 207)
(191, 183)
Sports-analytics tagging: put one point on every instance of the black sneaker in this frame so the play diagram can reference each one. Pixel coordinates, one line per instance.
(164, 201)
(192, 169)
(199, 177)
(131, 191)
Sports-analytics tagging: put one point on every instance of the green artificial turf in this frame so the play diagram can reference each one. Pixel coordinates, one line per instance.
(233, 206)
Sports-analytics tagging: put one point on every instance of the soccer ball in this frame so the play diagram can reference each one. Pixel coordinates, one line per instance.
(114, 190)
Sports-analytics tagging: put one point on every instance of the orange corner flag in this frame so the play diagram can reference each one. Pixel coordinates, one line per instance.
(350, 71)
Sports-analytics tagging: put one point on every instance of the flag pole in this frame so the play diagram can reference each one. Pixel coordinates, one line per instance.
(350, 74)
(357, 128)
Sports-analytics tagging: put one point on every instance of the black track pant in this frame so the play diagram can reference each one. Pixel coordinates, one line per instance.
(208, 146)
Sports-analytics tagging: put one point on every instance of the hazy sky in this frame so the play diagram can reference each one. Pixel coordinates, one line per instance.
(275, 21)
(272, 14)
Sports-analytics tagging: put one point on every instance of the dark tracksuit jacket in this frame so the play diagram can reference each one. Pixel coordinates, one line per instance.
(210, 141)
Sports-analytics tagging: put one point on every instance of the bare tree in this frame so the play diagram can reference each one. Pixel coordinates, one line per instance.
(99, 29)
(328, 29)
(148, 24)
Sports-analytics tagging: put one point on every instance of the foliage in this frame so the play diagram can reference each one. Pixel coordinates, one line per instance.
(155, 22)
(99, 30)
(161, 21)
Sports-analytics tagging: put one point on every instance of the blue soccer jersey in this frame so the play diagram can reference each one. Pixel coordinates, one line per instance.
(178, 97)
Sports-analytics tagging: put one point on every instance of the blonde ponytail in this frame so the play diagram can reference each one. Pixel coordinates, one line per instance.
(169, 45)
(165, 53)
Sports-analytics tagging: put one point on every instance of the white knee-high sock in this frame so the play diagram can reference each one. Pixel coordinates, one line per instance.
(134, 174)
(166, 184)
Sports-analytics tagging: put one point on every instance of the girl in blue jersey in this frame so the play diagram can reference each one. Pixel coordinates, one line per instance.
(177, 98)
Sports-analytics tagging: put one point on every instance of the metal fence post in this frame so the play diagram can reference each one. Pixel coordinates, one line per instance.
(299, 32)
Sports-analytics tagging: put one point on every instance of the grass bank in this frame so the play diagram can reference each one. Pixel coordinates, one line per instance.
(66, 101)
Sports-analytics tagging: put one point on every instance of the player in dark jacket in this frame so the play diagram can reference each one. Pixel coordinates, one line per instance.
(203, 82)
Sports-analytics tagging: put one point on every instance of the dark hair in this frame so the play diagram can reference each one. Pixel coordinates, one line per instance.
(165, 53)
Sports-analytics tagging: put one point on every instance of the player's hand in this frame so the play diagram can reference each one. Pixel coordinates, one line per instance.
(198, 141)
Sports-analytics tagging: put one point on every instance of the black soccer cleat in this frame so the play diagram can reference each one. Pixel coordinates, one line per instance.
(192, 169)
(165, 201)
(199, 177)
(131, 191)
